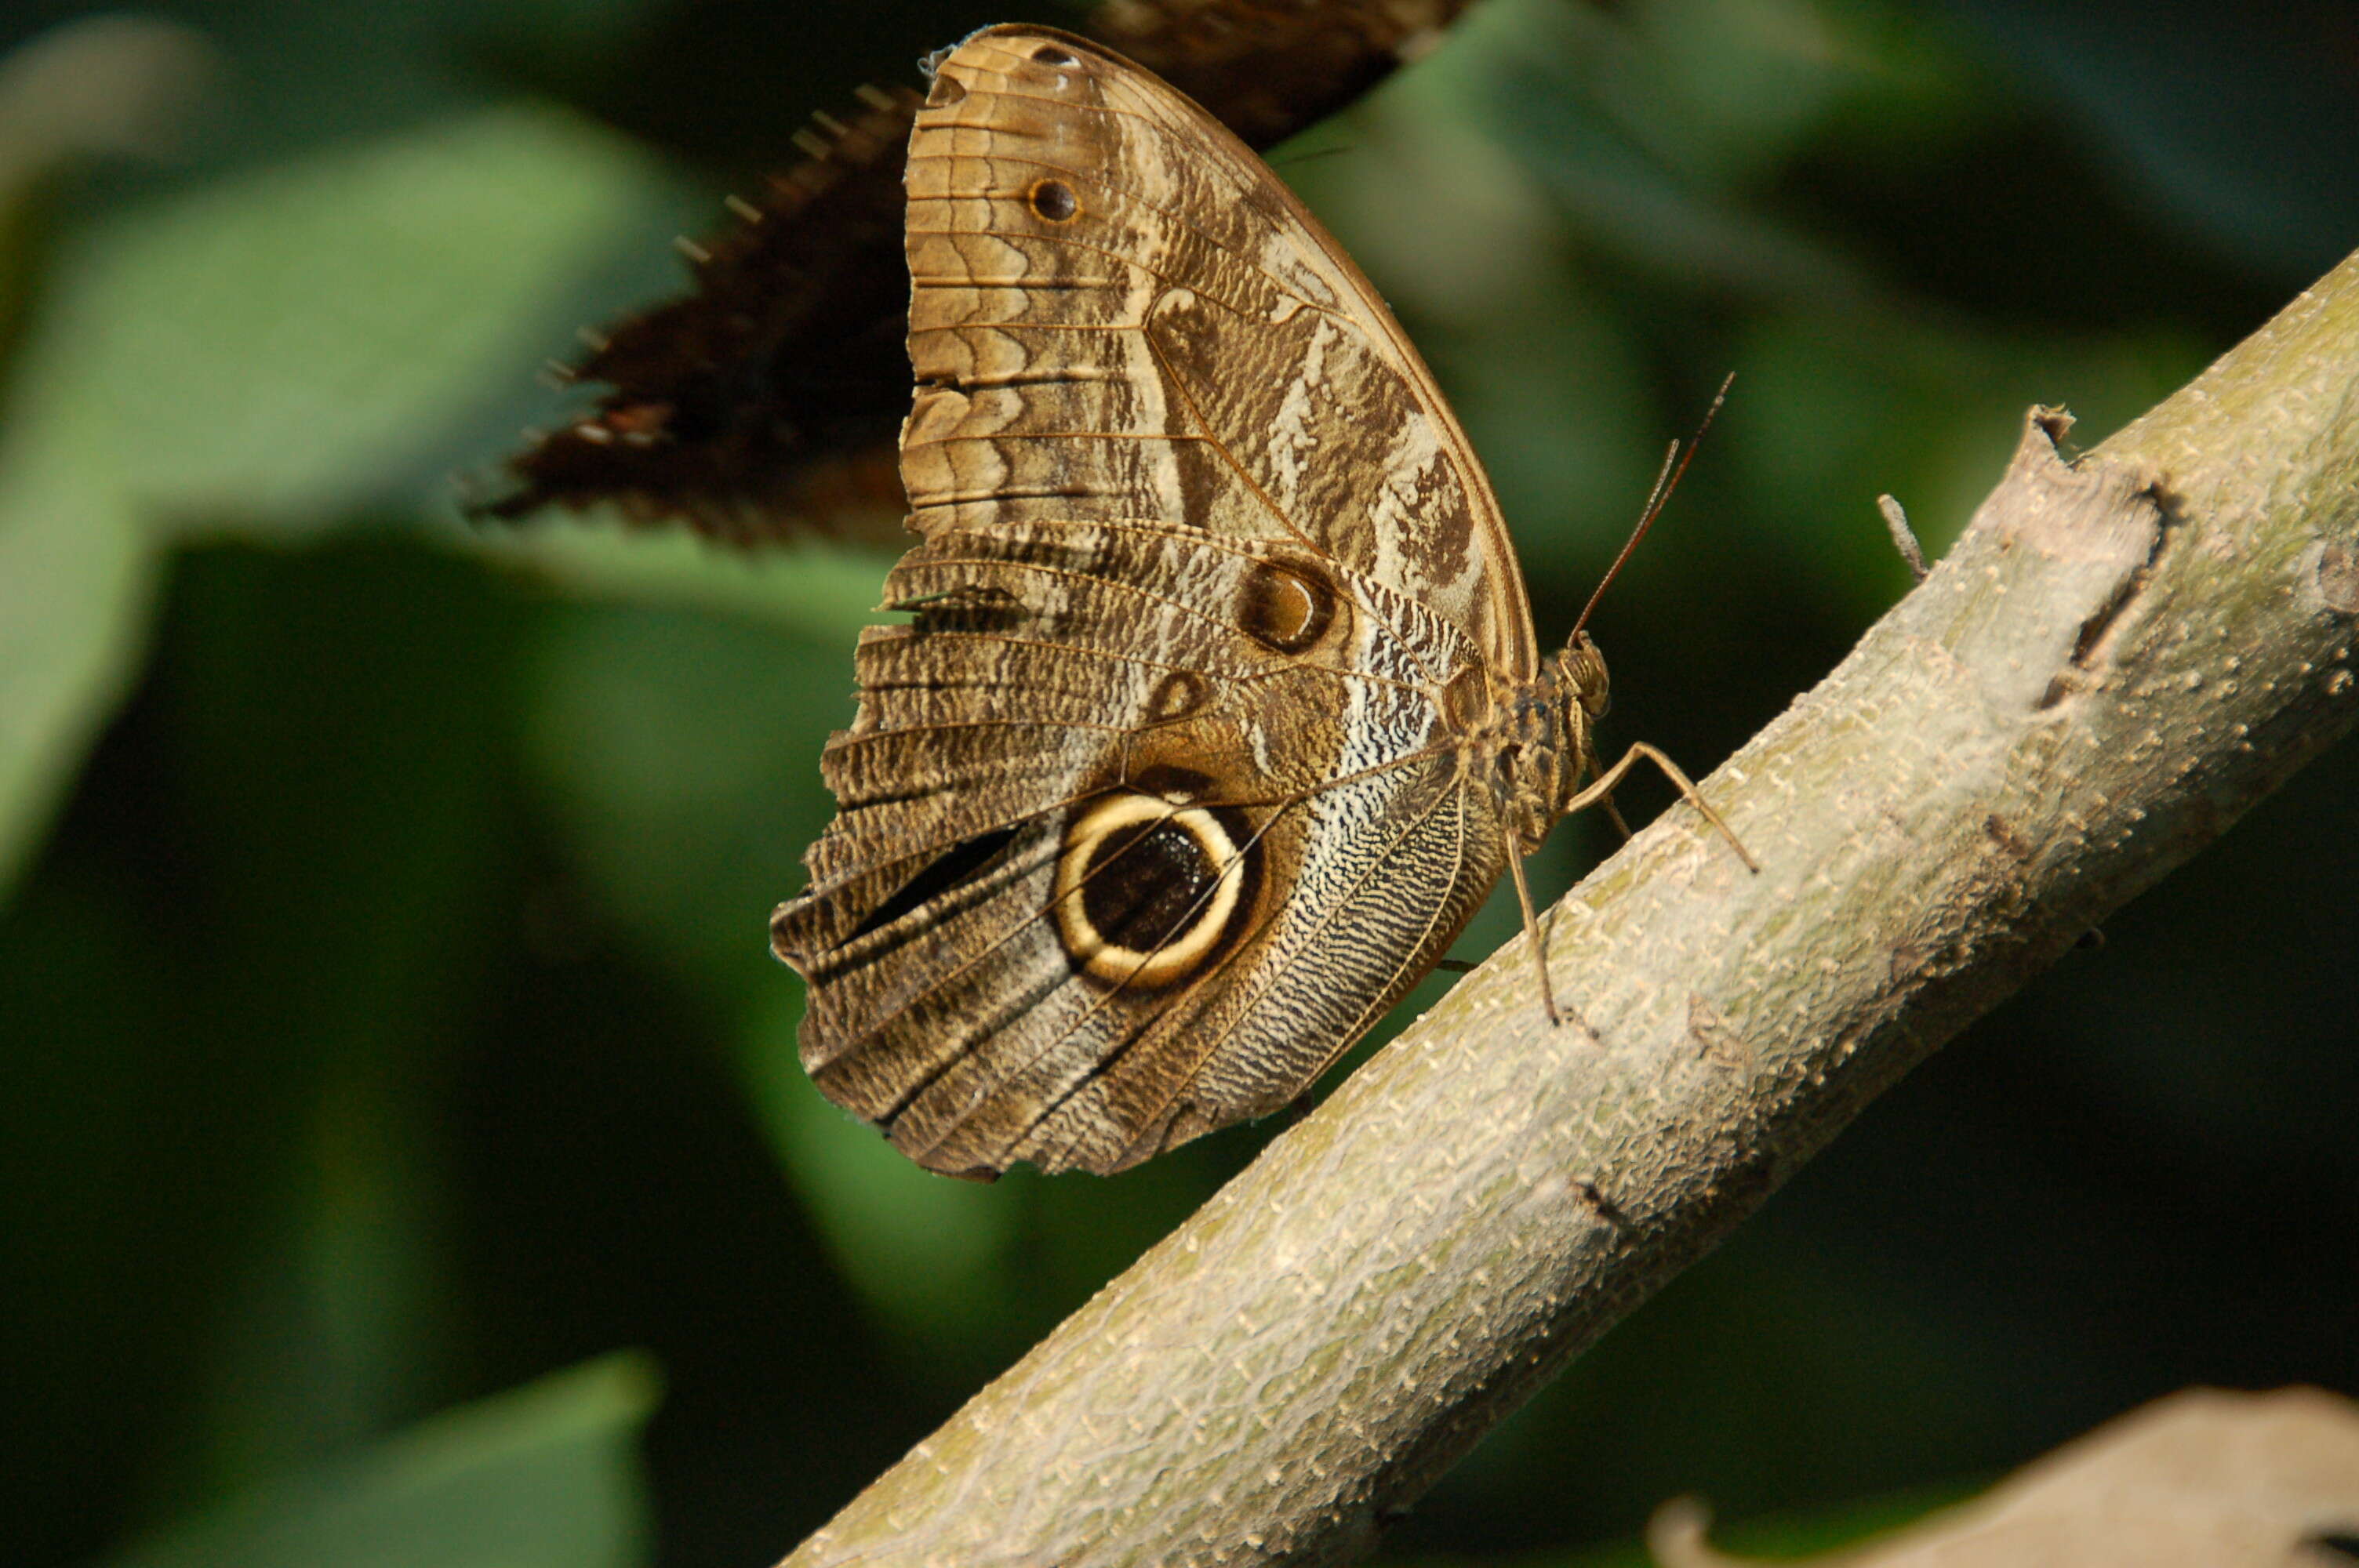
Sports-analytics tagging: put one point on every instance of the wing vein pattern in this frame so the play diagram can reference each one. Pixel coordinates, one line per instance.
(1162, 794)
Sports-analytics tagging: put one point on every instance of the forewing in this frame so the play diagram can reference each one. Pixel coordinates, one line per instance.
(1118, 311)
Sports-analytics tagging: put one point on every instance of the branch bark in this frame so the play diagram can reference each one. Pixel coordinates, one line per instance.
(2118, 658)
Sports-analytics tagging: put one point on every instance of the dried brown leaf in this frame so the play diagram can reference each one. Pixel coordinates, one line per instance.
(2205, 1478)
(764, 405)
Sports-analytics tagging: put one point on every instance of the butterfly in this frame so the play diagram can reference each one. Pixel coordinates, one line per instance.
(1218, 708)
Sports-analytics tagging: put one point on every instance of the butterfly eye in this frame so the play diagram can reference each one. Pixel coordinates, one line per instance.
(1580, 676)
(1596, 696)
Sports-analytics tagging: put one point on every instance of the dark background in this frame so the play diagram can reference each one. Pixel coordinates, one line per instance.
(386, 1021)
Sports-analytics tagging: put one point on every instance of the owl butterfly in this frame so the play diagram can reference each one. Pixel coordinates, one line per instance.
(1219, 708)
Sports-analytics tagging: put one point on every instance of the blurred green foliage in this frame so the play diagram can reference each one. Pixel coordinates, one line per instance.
(385, 1016)
(542, 1476)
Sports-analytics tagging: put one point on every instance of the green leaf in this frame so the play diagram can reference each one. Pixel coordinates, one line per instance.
(269, 352)
(542, 1474)
(266, 355)
(674, 751)
(77, 580)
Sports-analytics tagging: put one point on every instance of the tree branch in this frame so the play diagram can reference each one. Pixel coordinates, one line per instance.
(2118, 658)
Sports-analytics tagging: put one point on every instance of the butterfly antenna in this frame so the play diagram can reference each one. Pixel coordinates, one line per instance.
(1667, 479)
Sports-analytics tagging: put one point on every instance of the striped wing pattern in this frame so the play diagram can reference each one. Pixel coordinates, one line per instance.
(1158, 799)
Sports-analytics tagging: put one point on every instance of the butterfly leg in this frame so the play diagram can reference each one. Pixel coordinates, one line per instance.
(1603, 790)
(1613, 815)
(1533, 936)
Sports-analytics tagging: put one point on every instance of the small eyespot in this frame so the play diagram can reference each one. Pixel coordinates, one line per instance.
(1054, 201)
(946, 91)
(1051, 56)
(1285, 608)
(1177, 696)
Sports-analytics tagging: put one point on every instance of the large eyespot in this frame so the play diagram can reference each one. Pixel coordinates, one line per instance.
(1145, 889)
(1285, 607)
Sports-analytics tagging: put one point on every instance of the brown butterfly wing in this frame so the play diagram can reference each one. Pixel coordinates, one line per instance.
(1160, 798)
(1118, 311)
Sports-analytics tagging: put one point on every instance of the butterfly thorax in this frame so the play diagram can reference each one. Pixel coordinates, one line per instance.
(1542, 744)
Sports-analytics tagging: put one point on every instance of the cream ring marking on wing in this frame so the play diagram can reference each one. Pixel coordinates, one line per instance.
(1175, 877)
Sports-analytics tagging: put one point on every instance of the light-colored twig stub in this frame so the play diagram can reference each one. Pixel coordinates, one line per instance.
(2119, 657)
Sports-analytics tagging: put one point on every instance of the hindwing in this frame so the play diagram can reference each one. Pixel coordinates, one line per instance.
(1109, 871)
